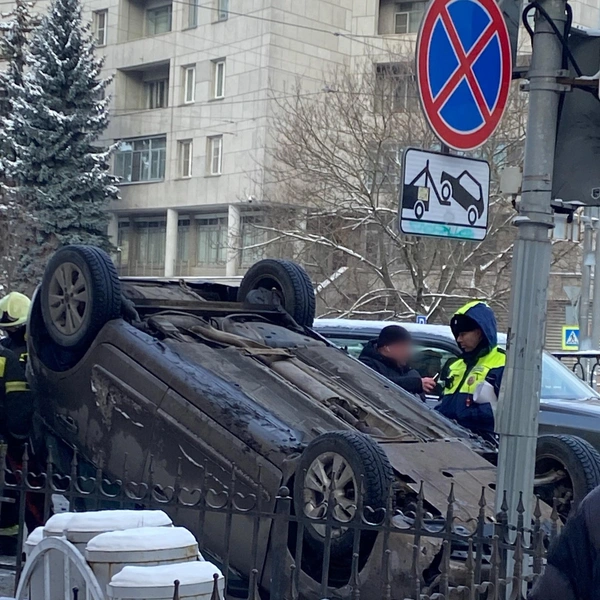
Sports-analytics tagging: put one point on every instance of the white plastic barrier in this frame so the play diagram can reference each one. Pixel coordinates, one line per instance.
(36, 584)
(108, 553)
(34, 538)
(55, 527)
(196, 582)
(76, 573)
(83, 527)
(57, 524)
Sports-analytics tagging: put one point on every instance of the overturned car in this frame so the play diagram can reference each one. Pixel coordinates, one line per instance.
(196, 377)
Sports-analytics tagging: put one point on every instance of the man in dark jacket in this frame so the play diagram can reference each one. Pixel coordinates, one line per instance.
(389, 355)
(573, 565)
(472, 381)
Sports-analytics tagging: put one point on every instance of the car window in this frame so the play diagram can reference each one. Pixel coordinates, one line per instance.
(353, 346)
(429, 360)
(560, 383)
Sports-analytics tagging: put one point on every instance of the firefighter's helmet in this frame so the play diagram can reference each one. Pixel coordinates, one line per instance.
(14, 310)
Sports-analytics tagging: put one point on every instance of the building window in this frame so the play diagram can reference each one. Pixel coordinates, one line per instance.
(395, 88)
(150, 246)
(211, 235)
(219, 78)
(223, 10)
(100, 22)
(189, 84)
(408, 17)
(215, 154)
(157, 93)
(141, 160)
(253, 239)
(193, 13)
(185, 158)
(159, 19)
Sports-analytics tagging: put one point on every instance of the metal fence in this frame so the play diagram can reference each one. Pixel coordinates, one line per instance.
(265, 549)
(585, 364)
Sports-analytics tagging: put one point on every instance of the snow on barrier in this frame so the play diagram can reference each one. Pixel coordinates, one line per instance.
(196, 581)
(101, 553)
(84, 526)
(109, 553)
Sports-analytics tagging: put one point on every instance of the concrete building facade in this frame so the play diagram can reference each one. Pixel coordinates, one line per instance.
(193, 91)
(193, 87)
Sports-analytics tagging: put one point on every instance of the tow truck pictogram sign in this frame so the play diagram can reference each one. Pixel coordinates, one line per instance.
(444, 195)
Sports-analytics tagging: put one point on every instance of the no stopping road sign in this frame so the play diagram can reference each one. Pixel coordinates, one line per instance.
(464, 70)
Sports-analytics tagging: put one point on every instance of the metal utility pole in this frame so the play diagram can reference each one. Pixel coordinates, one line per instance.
(517, 420)
(585, 342)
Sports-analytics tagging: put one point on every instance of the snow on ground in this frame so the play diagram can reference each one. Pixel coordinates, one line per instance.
(7, 579)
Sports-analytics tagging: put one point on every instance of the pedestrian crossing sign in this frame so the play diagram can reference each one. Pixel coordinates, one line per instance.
(570, 337)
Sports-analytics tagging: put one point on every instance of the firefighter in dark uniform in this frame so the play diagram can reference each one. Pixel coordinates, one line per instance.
(14, 310)
(16, 419)
(17, 405)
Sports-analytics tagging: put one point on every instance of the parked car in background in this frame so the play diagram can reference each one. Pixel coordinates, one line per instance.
(568, 405)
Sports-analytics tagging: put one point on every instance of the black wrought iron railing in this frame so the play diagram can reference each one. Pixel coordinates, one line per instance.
(261, 542)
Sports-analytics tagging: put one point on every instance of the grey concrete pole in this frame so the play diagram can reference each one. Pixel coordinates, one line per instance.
(234, 231)
(517, 418)
(172, 230)
(587, 261)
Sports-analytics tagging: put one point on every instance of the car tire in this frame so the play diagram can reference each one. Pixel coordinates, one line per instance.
(577, 458)
(80, 293)
(289, 281)
(358, 458)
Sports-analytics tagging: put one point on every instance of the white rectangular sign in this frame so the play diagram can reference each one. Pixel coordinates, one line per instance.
(444, 195)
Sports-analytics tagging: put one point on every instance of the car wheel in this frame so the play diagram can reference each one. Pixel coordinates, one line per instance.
(289, 282)
(80, 293)
(472, 216)
(334, 464)
(567, 468)
(446, 191)
(419, 210)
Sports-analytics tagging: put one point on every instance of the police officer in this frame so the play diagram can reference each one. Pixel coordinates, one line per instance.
(472, 381)
(14, 310)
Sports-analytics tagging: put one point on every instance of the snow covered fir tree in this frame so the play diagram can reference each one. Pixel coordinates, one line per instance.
(15, 31)
(56, 115)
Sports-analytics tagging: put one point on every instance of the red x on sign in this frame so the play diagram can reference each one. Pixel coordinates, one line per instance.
(464, 70)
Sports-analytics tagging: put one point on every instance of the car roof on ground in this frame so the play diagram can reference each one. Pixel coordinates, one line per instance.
(374, 327)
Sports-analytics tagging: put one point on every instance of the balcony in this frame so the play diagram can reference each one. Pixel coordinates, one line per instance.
(144, 87)
(142, 19)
